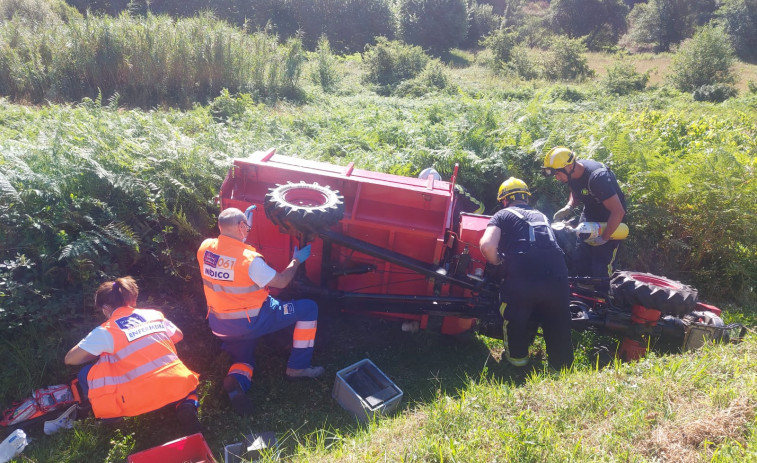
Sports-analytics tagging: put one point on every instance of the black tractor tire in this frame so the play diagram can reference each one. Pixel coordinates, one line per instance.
(303, 207)
(653, 292)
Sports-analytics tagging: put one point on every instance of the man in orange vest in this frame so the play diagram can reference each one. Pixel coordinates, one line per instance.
(240, 310)
(137, 369)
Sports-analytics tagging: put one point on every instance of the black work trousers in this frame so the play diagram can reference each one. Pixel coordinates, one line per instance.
(538, 301)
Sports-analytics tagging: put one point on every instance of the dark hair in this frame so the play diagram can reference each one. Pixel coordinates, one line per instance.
(123, 291)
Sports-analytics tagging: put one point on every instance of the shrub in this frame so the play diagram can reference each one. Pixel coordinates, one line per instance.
(622, 78)
(390, 62)
(433, 78)
(740, 23)
(716, 93)
(522, 64)
(481, 22)
(705, 59)
(325, 73)
(565, 60)
(601, 22)
(752, 86)
(501, 43)
(434, 25)
(226, 106)
(659, 24)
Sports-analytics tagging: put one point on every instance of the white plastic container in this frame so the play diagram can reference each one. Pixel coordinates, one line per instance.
(365, 391)
(13, 445)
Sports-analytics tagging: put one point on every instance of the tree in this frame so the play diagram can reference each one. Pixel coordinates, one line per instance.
(435, 25)
(605, 24)
(705, 59)
(739, 19)
(659, 24)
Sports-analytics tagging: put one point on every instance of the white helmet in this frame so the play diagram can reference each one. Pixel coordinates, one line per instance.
(429, 172)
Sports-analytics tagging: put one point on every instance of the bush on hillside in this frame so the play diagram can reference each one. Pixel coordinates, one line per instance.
(350, 25)
(324, 71)
(739, 19)
(433, 78)
(566, 60)
(434, 25)
(501, 43)
(622, 78)
(716, 93)
(656, 25)
(599, 22)
(522, 64)
(705, 59)
(481, 22)
(390, 62)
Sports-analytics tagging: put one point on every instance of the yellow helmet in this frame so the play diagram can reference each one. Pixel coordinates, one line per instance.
(512, 189)
(557, 158)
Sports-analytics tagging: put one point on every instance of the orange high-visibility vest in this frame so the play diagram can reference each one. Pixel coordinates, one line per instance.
(224, 264)
(143, 373)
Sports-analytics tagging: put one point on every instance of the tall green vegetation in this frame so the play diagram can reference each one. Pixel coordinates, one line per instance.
(482, 21)
(325, 72)
(38, 12)
(434, 25)
(146, 61)
(622, 78)
(566, 60)
(659, 24)
(390, 62)
(705, 59)
(88, 195)
(599, 22)
(348, 24)
(739, 19)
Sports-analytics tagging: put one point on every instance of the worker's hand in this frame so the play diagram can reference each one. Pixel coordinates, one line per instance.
(595, 240)
(301, 254)
(563, 214)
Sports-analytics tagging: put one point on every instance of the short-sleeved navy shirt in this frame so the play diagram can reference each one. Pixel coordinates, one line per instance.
(596, 185)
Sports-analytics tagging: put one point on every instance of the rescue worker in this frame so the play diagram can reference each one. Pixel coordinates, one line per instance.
(535, 289)
(137, 369)
(240, 310)
(594, 185)
(465, 201)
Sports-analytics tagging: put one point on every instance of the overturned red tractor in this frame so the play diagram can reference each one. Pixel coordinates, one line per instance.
(402, 248)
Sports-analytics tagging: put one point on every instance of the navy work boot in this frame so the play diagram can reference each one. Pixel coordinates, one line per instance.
(241, 404)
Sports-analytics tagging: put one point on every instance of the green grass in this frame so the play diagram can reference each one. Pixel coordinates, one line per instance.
(461, 402)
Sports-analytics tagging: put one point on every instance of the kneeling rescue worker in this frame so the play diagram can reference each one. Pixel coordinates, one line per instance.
(240, 310)
(137, 369)
(535, 289)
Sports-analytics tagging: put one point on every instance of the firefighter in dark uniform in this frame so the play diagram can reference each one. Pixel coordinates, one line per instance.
(535, 289)
(592, 184)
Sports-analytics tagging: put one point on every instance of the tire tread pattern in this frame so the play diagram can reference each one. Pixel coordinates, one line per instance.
(673, 297)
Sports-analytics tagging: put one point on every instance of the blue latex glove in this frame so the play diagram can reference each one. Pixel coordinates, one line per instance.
(595, 241)
(248, 215)
(301, 254)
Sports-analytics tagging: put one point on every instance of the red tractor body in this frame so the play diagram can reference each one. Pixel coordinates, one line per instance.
(404, 247)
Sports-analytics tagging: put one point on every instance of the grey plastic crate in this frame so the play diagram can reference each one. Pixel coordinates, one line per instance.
(364, 390)
(249, 449)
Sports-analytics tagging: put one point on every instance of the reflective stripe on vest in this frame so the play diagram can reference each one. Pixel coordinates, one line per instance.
(224, 265)
(251, 313)
(133, 374)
